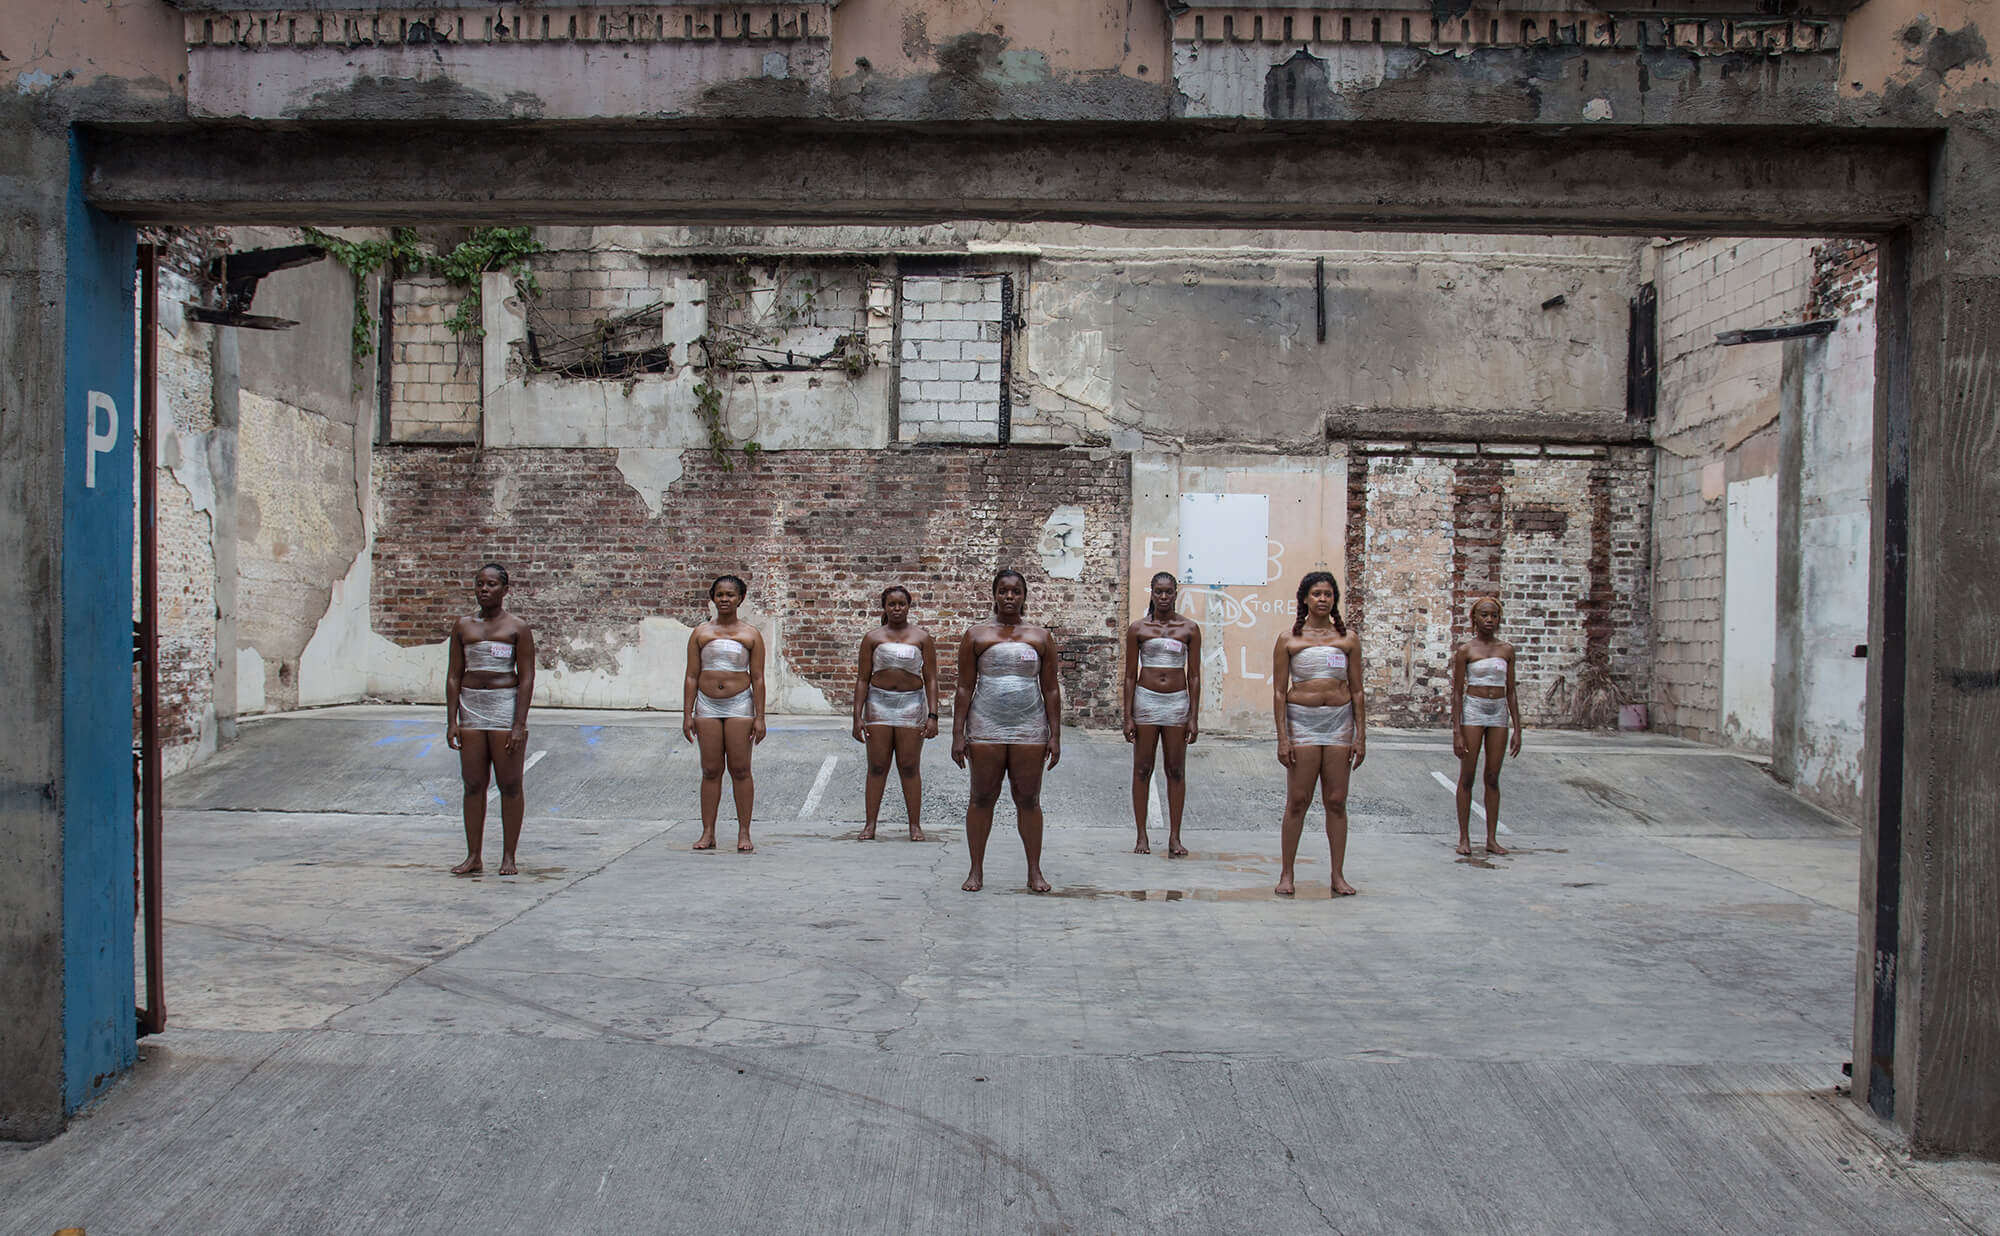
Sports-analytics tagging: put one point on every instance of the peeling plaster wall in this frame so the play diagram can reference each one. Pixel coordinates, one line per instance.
(307, 412)
(1819, 744)
(186, 517)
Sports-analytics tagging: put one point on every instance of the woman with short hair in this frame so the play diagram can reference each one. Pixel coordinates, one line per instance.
(722, 707)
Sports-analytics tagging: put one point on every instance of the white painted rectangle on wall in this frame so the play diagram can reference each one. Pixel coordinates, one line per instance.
(1749, 612)
(1224, 539)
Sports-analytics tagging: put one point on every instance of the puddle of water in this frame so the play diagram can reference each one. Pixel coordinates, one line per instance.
(1473, 860)
(1307, 890)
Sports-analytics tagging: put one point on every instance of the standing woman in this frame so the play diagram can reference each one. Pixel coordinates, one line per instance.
(1007, 718)
(1162, 705)
(488, 683)
(1483, 703)
(722, 707)
(1322, 721)
(895, 705)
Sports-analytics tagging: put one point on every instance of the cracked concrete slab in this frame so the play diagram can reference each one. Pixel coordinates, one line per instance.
(1634, 1023)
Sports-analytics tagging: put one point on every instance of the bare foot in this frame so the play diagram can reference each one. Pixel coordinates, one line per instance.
(1145, 845)
(1342, 888)
(1465, 848)
(1036, 884)
(1284, 888)
(974, 882)
(507, 866)
(866, 834)
(471, 866)
(743, 844)
(1175, 849)
(706, 841)
(916, 834)
(1494, 847)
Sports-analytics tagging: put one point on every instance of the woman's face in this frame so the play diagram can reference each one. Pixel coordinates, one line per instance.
(726, 599)
(1010, 596)
(488, 588)
(1485, 619)
(895, 609)
(1319, 599)
(1164, 592)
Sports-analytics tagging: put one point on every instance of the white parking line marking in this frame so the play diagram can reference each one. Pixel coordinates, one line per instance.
(494, 791)
(811, 804)
(1477, 810)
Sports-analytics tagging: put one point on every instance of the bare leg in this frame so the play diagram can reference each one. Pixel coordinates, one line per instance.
(507, 769)
(736, 746)
(708, 742)
(1024, 778)
(1334, 769)
(1299, 780)
(1496, 752)
(473, 763)
(1468, 771)
(1145, 742)
(1173, 744)
(881, 747)
(909, 769)
(989, 766)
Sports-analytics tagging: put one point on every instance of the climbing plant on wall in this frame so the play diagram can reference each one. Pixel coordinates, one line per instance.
(402, 253)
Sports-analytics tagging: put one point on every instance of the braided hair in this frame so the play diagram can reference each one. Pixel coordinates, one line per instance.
(497, 569)
(1313, 579)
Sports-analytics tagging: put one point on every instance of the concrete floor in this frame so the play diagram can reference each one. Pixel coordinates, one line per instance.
(1634, 1024)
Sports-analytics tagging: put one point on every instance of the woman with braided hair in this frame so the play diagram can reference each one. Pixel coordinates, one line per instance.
(489, 681)
(1322, 721)
(1162, 705)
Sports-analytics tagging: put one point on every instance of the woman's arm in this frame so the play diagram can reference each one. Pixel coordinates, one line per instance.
(1194, 683)
(756, 686)
(861, 674)
(524, 689)
(1281, 675)
(930, 685)
(454, 670)
(1458, 658)
(1354, 676)
(691, 684)
(1131, 679)
(1052, 695)
(961, 700)
(1513, 707)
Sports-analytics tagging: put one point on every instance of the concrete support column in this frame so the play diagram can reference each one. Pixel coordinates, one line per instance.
(1928, 1012)
(32, 263)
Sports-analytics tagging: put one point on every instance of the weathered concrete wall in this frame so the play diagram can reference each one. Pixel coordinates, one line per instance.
(1172, 341)
(1717, 424)
(612, 577)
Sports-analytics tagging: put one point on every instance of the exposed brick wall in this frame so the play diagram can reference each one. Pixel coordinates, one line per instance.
(817, 534)
(434, 379)
(1843, 278)
(1558, 533)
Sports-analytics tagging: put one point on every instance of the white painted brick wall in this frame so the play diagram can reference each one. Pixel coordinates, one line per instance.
(950, 359)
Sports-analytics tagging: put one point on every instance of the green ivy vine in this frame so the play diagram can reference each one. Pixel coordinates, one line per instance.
(401, 253)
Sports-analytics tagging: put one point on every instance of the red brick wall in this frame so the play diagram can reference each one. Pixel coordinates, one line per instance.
(1843, 277)
(818, 535)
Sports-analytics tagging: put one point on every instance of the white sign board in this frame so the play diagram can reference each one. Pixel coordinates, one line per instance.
(1224, 539)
